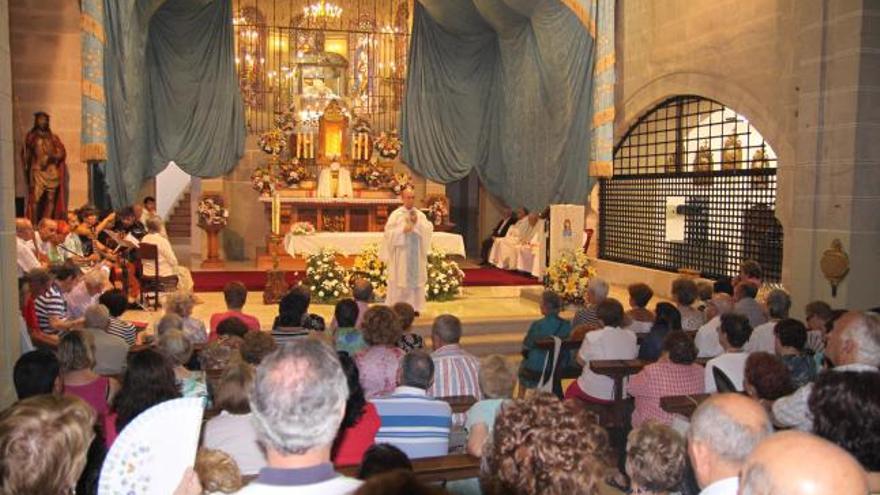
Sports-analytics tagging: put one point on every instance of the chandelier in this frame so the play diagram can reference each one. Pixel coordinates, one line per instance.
(322, 11)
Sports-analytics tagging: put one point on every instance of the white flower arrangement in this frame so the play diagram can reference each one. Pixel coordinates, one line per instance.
(302, 228)
(444, 276)
(368, 265)
(569, 276)
(327, 279)
(212, 213)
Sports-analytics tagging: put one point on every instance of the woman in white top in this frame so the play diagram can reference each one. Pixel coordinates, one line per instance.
(232, 431)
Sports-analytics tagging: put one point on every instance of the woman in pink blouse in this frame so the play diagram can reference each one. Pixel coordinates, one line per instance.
(675, 373)
(378, 363)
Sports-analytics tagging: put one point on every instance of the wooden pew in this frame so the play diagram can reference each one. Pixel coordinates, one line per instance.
(436, 469)
(459, 403)
(682, 404)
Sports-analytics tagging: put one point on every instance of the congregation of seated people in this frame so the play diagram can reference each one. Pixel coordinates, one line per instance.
(360, 405)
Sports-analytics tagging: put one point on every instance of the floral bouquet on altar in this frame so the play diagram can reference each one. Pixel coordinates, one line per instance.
(302, 228)
(212, 213)
(273, 142)
(372, 175)
(437, 208)
(292, 173)
(569, 276)
(388, 145)
(444, 276)
(398, 182)
(368, 265)
(262, 181)
(325, 277)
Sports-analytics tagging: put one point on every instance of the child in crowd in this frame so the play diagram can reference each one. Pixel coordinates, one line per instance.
(348, 338)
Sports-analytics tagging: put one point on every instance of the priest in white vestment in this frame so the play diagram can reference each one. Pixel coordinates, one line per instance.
(529, 258)
(405, 250)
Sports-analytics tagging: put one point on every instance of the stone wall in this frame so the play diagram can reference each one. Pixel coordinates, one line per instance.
(46, 75)
(801, 72)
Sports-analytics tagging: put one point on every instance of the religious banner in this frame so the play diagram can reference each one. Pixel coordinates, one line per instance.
(566, 229)
(94, 121)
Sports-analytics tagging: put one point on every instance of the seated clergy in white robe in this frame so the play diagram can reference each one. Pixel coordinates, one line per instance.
(405, 250)
(334, 182)
(505, 253)
(528, 256)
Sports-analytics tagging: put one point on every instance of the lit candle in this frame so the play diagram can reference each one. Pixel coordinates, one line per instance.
(298, 146)
(353, 148)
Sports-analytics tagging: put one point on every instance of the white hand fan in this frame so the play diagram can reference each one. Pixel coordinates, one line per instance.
(150, 455)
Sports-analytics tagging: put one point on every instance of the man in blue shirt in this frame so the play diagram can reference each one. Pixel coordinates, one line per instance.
(411, 420)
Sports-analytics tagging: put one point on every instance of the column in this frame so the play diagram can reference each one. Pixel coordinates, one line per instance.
(9, 324)
(836, 176)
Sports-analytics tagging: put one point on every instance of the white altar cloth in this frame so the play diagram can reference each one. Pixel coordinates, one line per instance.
(353, 243)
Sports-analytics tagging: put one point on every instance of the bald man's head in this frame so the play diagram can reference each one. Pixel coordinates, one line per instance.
(784, 464)
(723, 432)
(24, 229)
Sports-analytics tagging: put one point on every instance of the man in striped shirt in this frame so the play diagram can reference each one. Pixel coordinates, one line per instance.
(456, 372)
(49, 303)
(411, 420)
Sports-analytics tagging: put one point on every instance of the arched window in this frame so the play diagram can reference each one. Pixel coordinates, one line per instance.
(694, 187)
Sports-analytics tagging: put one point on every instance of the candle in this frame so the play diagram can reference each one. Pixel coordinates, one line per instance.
(298, 146)
(311, 143)
(353, 148)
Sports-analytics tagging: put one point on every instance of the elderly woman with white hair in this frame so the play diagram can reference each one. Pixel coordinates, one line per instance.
(86, 292)
(169, 267)
(181, 303)
(597, 291)
(178, 349)
(111, 351)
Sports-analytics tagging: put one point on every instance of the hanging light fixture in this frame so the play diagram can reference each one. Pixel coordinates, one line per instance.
(322, 10)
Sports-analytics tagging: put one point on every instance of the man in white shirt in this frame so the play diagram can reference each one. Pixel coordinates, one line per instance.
(707, 340)
(763, 338)
(298, 402)
(609, 342)
(723, 432)
(25, 250)
(773, 468)
(853, 345)
(735, 331)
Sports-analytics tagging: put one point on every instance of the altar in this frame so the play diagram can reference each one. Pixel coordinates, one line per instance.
(334, 214)
(353, 243)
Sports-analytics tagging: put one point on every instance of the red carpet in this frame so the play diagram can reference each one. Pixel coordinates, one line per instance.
(256, 280)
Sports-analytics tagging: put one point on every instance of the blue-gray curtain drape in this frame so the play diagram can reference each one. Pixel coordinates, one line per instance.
(503, 87)
(171, 91)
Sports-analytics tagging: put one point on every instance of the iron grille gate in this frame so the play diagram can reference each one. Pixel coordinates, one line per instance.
(698, 150)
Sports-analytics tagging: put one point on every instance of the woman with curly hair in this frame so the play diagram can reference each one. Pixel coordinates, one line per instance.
(545, 446)
(360, 423)
(845, 406)
(44, 440)
(378, 363)
(656, 459)
(149, 380)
